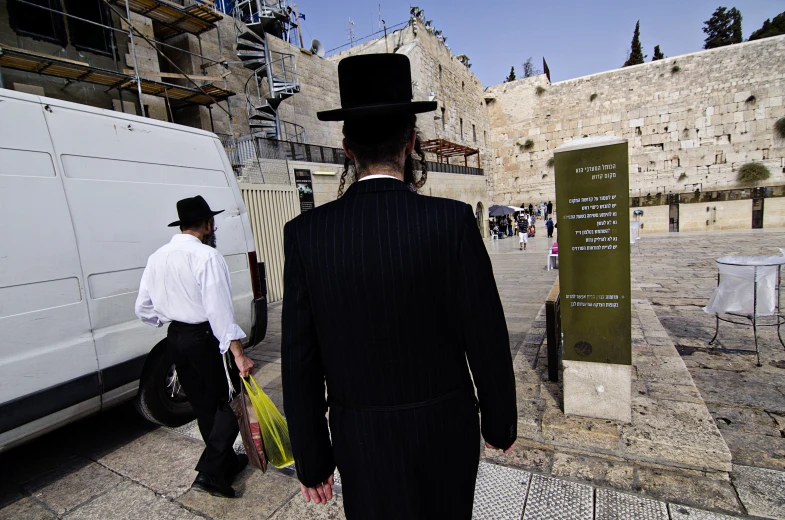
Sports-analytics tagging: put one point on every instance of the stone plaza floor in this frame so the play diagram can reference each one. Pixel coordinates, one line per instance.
(706, 439)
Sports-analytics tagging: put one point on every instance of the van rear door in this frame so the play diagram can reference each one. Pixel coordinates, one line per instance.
(47, 356)
(123, 176)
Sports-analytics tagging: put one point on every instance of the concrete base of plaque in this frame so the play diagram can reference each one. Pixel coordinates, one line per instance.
(599, 390)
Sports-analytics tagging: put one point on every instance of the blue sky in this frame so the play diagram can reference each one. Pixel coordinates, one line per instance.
(576, 37)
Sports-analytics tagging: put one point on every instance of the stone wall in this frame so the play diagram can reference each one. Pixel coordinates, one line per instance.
(691, 121)
(455, 88)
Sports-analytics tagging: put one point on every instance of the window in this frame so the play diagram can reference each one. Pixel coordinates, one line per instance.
(444, 119)
(474, 133)
(461, 128)
(87, 36)
(37, 23)
(34, 22)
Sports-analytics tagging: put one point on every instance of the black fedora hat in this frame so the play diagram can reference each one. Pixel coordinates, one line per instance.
(375, 85)
(193, 210)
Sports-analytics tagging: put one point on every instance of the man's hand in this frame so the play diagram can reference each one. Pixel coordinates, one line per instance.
(244, 364)
(319, 494)
(508, 450)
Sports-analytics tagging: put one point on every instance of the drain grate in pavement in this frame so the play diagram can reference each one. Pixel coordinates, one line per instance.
(619, 506)
(499, 493)
(553, 499)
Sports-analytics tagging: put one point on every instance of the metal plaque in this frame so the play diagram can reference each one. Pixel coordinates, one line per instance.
(592, 201)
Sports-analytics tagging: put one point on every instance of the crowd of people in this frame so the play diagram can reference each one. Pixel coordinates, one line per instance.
(523, 223)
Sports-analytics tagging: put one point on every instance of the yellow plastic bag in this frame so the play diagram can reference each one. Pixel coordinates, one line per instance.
(275, 432)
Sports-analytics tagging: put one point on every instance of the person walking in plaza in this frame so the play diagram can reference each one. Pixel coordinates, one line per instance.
(523, 233)
(531, 209)
(549, 207)
(549, 225)
(403, 418)
(186, 284)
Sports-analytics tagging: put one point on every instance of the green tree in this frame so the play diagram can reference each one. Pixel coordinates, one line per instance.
(636, 50)
(770, 28)
(511, 77)
(723, 28)
(658, 55)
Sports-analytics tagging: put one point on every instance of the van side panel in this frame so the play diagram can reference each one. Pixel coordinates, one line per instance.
(44, 321)
(122, 181)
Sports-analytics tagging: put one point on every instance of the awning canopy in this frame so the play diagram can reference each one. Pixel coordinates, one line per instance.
(445, 149)
(171, 20)
(38, 63)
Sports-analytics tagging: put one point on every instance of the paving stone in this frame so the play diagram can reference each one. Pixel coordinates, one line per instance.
(500, 492)
(259, 496)
(613, 472)
(679, 432)
(72, 485)
(762, 491)
(130, 501)
(25, 509)
(525, 454)
(299, 509)
(161, 460)
(620, 506)
(554, 499)
(687, 487)
(744, 419)
(580, 432)
(688, 513)
(763, 451)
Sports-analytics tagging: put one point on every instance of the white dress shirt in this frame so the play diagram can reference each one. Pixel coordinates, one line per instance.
(377, 176)
(188, 281)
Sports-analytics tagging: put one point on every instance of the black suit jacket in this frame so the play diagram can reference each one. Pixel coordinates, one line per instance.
(387, 294)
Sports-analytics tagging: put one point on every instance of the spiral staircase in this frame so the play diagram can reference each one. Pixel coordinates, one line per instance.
(274, 77)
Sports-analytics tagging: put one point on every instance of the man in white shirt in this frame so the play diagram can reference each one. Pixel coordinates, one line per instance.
(186, 284)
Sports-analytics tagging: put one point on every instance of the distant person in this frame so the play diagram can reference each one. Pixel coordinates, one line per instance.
(509, 226)
(399, 390)
(550, 208)
(186, 284)
(549, 225)
(523, 234)
(531, 209)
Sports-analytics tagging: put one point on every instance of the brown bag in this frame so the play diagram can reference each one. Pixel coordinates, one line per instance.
(249, 429)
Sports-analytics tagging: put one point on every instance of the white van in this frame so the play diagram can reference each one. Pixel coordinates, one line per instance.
(85, 197)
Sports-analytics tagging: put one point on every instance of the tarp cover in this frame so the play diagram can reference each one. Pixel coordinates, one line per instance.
(735, 292)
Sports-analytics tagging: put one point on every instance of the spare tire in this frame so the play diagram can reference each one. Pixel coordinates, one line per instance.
(161, 399)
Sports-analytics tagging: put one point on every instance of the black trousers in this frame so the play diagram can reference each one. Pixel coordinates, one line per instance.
(200, 369)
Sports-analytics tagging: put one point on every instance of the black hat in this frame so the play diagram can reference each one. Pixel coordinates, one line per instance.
(375, 85)
(193, 210)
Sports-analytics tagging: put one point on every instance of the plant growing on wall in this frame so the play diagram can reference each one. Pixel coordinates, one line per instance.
(753, 172)
(528, 144)
(751, 99)
(544, 175)
(779, 128)
(540, 90)
(593, 97)
(682, 176)
(675, 68)
(550, 162)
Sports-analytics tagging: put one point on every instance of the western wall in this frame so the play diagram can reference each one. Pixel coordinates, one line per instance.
(691, 122)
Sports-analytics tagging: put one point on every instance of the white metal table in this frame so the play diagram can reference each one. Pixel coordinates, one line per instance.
(748, 287)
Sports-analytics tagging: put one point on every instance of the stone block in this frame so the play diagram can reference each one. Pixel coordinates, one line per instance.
(686, 488)
(72, 485)
(762, 491)
(603, 471)
(579, 432)
(597, 390)
(133, 502)
(526, 455)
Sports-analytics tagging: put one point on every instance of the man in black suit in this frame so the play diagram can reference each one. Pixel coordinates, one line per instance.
(362, 279)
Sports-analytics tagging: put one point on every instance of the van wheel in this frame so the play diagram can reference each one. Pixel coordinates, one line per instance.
(161, 399)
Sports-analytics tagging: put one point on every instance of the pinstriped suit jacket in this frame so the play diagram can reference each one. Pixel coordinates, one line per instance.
(387, 294)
